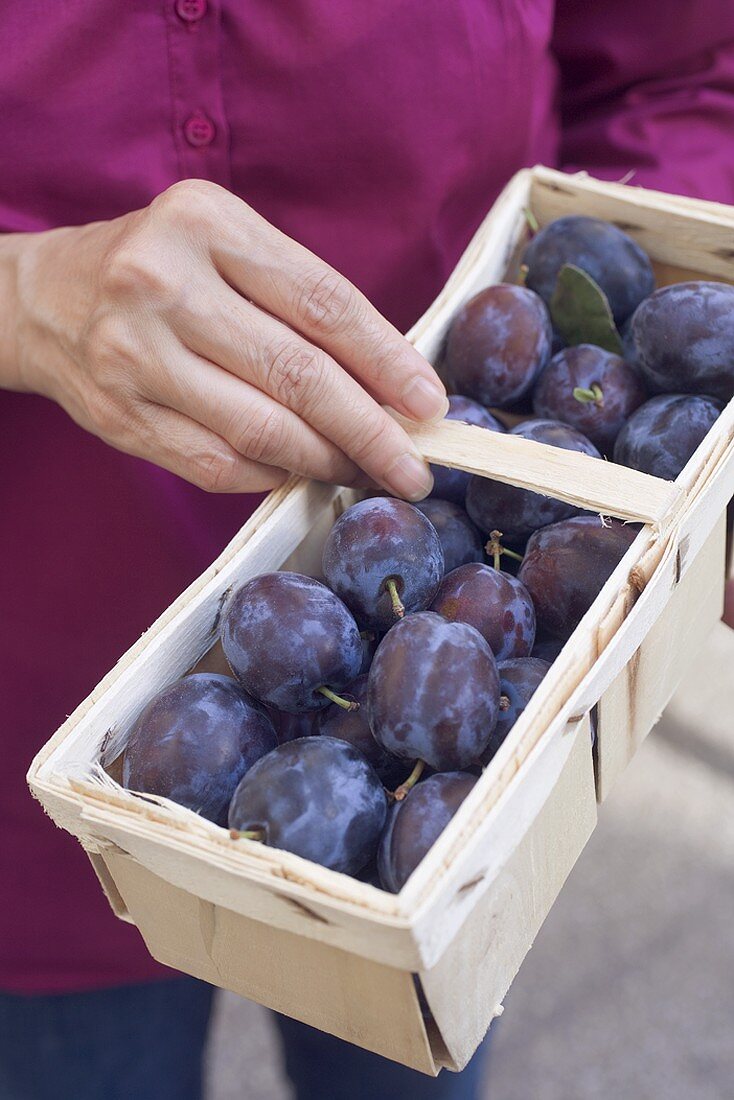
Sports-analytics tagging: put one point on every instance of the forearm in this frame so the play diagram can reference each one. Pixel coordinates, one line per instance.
(46, 280)
(10, 371)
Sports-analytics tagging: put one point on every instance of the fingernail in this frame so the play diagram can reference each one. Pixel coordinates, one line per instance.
(409, 477)
(425, 400)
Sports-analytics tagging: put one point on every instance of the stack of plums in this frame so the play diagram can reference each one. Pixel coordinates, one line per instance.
(362, 706)
(644, 395)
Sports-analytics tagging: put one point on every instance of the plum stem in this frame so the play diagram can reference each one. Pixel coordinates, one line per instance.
(504, 702)
(530, 218)
(592, 396)
(247, 834)
(347, 704)
(495, 548)
(522, 274)
(417, 772)
(397, 604)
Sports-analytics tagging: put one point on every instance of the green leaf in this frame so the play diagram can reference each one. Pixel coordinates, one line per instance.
(580, 311)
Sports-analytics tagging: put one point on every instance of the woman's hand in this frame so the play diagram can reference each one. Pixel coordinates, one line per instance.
(195, 335)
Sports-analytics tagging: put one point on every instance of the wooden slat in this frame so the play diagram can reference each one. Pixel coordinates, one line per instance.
(567, 475)
(107, 882)
(708, 481)
(239, 877)
(630, 708)
(360, 1001)
(527, 864)
(484, 842)
(637, 197)
(691, 235)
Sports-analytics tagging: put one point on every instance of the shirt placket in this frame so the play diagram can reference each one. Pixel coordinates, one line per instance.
(200, 126)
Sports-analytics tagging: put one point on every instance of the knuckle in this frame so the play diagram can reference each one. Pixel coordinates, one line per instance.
(214, 471)
(110, 421)
(132, 270)
(188, 203)
(109, 346)
(261, 437)
(295, 375)
(326, 302)
(118, 274)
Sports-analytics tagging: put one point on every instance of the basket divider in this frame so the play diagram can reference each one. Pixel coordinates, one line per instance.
(576, 478)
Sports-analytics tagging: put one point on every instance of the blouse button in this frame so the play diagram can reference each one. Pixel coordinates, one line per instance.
(191, 11)
(199, 130)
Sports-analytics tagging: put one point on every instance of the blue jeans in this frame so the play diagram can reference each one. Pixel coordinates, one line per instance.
(324, 1068)
(145, 1042)
(135, 1042)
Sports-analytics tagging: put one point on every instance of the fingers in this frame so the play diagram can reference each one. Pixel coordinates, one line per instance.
(252, 423)
(254, 346)
(193, 452)
(291, 283)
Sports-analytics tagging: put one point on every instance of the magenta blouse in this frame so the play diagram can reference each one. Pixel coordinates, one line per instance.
(377, 134)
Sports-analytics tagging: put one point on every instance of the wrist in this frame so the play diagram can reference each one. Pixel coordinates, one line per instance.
(45, 268)
(10, 371)
(27, 281)
(46, 277)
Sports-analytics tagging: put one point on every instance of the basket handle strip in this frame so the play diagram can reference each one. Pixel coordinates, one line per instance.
(567, 475)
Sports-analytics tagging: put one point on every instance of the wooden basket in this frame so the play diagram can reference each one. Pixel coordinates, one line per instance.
(342, 955)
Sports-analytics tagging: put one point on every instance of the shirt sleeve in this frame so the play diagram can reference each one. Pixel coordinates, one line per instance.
(647, 91)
